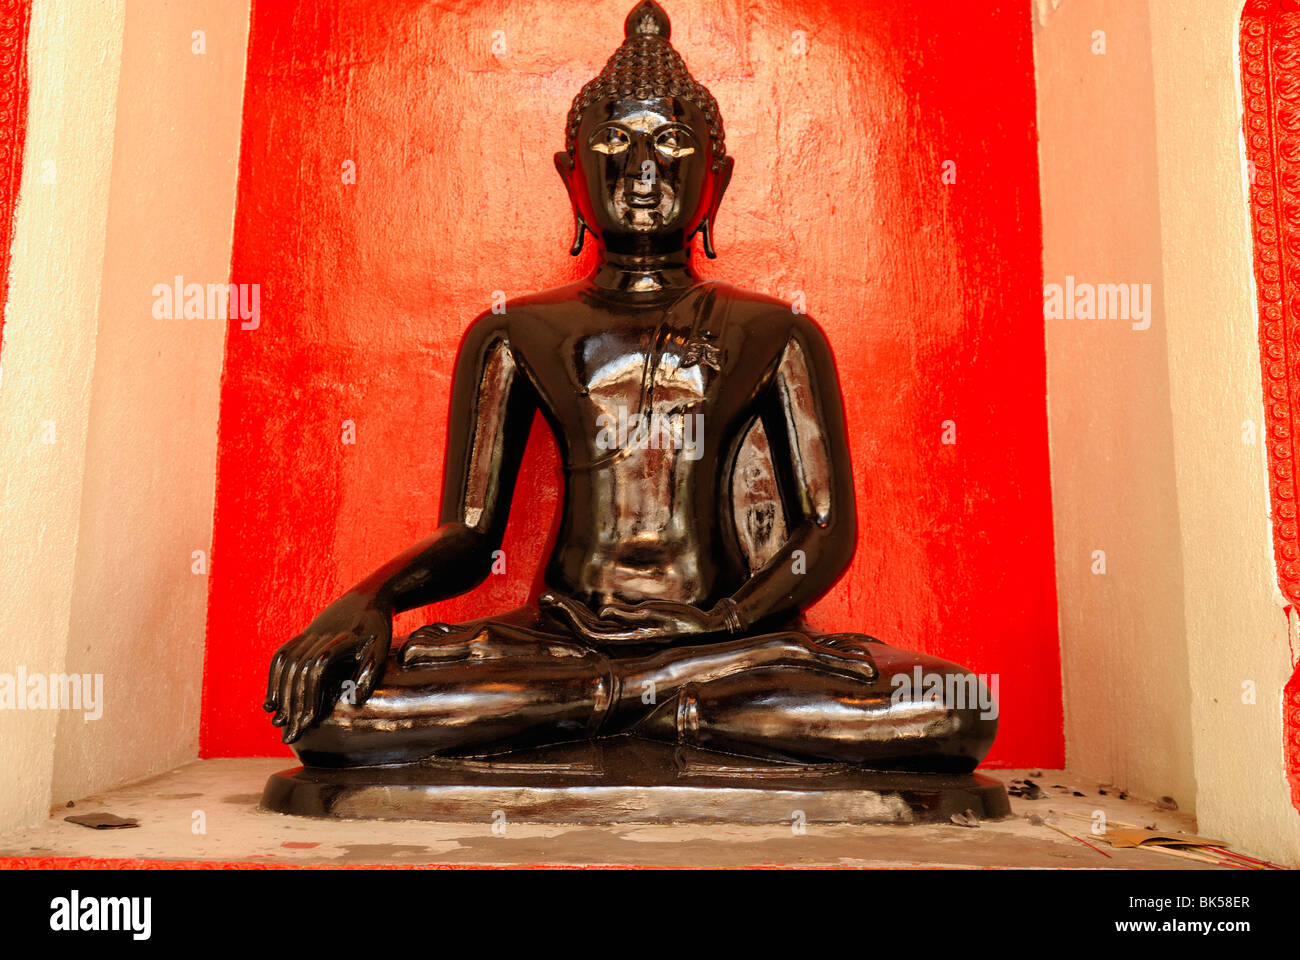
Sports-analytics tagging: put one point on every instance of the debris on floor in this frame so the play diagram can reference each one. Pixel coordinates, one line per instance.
(1174, 843)
(967, 819)
(103, 821)
(1026, 789)
(1038, 821)
(1137, 836)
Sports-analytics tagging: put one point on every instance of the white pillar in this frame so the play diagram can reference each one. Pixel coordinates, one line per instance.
(128, 181)
(1236, 628)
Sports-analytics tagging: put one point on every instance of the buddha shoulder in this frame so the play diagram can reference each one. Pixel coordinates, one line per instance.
(773, 321)
(514, 318)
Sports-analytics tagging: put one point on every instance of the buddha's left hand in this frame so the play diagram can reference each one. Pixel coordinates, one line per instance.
(651, 621)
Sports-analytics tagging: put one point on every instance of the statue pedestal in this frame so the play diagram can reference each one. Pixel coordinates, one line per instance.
(628, 780)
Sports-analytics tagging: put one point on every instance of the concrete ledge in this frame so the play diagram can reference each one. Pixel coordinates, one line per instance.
(206, 814)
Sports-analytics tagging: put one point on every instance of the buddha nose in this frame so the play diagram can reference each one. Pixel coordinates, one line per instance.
(641, 168)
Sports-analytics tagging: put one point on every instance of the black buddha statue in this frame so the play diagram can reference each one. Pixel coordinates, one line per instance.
(708, 500)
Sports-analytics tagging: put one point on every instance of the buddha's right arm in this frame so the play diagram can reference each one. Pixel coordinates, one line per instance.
(451, 562)
(488, 421)
(492, 406)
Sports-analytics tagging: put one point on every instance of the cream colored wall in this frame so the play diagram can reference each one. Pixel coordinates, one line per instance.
(144, 134)
(1143, 177)
(1114, 485)
(47, 362)
(138, 612)
(1236, 630)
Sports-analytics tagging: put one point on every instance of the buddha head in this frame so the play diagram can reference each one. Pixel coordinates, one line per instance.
(645, 162)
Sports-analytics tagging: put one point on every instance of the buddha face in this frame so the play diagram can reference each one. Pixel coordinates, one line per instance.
(642, 172)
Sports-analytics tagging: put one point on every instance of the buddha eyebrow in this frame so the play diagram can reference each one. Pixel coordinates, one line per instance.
(611, 125)
(673, 126)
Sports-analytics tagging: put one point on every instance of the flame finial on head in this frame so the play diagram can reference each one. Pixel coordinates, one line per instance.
(647, 67)
(649, 19)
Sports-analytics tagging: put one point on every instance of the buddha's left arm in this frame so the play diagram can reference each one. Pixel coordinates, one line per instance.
(803, 416)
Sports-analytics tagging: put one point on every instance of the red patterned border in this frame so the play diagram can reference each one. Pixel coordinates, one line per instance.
(15, 16)
(1270, 65)
(107, 863)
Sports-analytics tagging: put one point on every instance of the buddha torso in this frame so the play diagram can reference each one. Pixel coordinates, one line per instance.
(650, 407)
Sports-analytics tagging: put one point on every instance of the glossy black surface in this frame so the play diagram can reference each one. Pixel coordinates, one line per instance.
(633, 780)
(708, 500)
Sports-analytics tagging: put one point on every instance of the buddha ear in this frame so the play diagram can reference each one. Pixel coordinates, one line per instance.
(721, 180)
(565, 170)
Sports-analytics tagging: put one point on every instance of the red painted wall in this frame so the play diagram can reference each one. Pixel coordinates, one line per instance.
(930, 293)
(15, 17)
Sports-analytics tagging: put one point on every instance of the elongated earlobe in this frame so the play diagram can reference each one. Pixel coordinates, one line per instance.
(564, 167)
(706, 235)
(726, 167)
(580, 233)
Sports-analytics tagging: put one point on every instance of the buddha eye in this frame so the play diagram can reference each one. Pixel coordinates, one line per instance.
(609, 140)
(675, 144)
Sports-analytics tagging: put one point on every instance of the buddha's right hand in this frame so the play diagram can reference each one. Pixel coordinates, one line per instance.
(348, 642)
